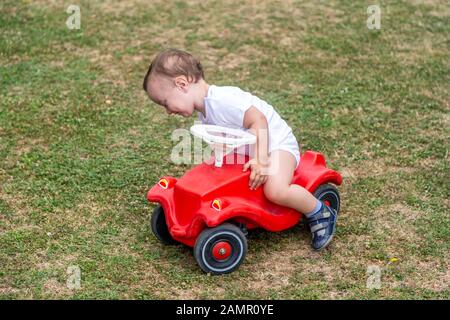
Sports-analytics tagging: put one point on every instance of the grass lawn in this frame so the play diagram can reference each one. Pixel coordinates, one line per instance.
(80, 144)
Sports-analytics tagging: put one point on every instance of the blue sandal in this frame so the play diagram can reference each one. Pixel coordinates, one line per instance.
(322, 225)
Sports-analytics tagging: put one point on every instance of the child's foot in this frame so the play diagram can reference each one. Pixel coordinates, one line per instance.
(322, 225)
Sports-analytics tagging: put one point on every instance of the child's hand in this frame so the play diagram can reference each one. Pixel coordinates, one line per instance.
(258, 175)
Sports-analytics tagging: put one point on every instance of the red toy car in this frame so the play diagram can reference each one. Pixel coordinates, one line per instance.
(211, 208)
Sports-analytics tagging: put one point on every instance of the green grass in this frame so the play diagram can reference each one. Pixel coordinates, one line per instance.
(81, 144)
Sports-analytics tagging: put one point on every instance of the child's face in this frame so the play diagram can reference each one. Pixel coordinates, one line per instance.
(175, 95)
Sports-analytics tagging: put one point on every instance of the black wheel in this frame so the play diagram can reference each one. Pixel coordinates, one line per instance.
(221, 249)
(159, 226)
(328, 194)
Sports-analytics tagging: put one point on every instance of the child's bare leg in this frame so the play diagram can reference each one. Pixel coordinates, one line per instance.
(279, 189)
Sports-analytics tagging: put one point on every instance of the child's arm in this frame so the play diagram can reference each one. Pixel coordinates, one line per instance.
(256, 122)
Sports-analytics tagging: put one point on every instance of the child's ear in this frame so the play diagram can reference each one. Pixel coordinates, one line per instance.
(182, 83)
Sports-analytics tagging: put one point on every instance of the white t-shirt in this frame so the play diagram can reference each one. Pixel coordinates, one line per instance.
(226, 105)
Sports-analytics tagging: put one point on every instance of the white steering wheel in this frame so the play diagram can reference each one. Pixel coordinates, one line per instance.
(220, 137)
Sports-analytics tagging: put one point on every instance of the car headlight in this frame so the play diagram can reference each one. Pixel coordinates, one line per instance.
(216, 204)
(163, 183)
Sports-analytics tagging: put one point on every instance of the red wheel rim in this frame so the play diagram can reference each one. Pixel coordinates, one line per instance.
(221, 250)
(327, 203)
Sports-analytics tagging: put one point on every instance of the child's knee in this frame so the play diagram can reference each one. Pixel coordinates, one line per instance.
(275, 194)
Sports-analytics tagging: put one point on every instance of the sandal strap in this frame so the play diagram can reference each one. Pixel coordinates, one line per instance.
(323, 214)
(319, 226)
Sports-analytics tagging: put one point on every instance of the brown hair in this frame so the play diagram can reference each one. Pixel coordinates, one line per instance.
(173, 63)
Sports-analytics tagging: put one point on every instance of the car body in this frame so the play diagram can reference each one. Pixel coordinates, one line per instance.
(207, 196)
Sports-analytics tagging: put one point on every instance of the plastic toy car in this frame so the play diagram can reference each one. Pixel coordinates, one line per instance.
(211, 207)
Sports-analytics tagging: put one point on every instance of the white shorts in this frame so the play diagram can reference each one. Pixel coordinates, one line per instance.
(294, 152)
(289, 144)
